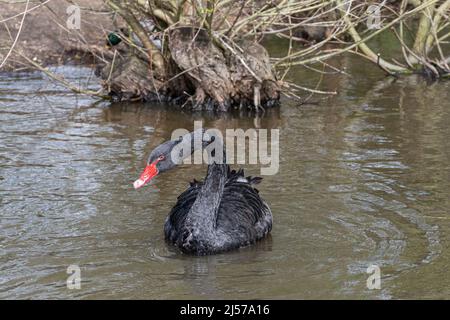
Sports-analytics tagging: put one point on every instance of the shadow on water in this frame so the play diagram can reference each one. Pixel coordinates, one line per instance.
(364, 179)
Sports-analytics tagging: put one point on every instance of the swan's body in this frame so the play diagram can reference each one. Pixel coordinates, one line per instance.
(222, 213)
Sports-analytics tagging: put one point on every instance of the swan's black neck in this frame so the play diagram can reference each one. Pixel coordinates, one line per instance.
(203, 213)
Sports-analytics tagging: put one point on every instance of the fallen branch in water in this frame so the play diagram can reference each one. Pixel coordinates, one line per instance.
(62, 81)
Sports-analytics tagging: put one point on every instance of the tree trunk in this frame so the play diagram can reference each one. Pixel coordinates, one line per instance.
(195, 68)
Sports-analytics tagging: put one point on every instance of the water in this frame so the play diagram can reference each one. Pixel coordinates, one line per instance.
(364, 179)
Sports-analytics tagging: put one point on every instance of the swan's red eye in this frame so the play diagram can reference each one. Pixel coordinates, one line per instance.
(161, 157)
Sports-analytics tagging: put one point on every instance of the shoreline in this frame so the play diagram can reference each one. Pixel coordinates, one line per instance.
(45, 38)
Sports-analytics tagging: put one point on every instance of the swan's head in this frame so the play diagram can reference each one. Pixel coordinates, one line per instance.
(169, 154)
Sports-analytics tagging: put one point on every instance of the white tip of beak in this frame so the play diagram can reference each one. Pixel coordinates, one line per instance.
(138, 183)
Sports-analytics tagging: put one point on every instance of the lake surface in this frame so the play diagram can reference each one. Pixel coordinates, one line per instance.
(364, 180)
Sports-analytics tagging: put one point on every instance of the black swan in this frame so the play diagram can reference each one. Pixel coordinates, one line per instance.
(222, 213)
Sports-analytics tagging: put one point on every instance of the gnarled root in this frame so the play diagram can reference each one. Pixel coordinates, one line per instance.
(204, 75)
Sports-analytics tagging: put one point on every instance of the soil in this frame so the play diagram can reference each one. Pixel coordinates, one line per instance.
(44, 36)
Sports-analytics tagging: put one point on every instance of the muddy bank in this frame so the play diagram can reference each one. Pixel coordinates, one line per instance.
(45, 38)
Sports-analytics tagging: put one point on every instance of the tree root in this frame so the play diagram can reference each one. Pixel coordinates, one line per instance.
(203, 75)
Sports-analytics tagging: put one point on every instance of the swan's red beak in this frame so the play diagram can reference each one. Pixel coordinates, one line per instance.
(149, 173)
